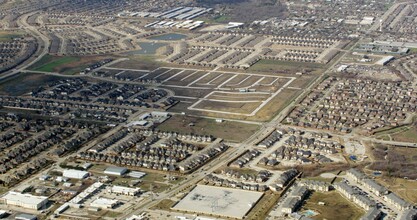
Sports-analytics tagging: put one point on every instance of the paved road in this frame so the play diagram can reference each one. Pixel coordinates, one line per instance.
(43, 46)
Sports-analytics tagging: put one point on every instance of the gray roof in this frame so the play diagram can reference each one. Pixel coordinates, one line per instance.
(409, 214)
(374, 185)
(116, 170)
(24, 216)
(299, 191)
(356, 173)
(365, 200)
(290, 202)
(397, 200)
(372, 214)
(349, 189)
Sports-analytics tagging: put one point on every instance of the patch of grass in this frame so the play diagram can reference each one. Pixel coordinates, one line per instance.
(152, 177)
(262, 208)
(279, 66)
(154, 187)
(406, 189)
(111, 214)
(221, 18)
(140, 62)
(122, 181)
(203, 126)
(164, 204)
(23, 83)
(67, 65)
(409, 135)
(8, 36)
(336, 207)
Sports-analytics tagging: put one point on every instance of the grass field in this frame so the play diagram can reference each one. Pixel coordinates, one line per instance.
(164, 204)
(268, 112)
(404, 133)
(336, 207)
(140, 62)
(409, 135)
(262, 208)
(23, 83)
(406, 189)
(67, 65)
(221, 19)
(228, 130)
(8, 35)
(278, 66)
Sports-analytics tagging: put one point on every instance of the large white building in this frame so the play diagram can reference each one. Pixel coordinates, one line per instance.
(75, 174)
(104, 203)
(25, 200)
(124, 190)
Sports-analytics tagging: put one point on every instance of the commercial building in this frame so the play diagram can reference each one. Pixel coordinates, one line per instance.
(25, 200)
(24, 216)
(385, 60)
(104, 203)
(116, 171)
(230, 203)
(136, 174)
(75, 174)
(124, 190)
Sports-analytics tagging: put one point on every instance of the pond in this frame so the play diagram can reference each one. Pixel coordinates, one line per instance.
(146, 48)
(169, 37)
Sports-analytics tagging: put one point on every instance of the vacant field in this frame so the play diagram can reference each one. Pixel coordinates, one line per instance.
(406, 189)
(263, 207)
(286, 67)
(144, 62)
(228, 130)
(276, 105)
(303, 81)
(164, 204)
(395, 161)
(238, 96)
(23, 83)
(233, 107)
(266, 113)
(67, 65)
(409, 135)
(9, 35)
(336, 207)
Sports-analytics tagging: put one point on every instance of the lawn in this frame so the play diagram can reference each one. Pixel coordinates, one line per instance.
(409, 135)
(228, 130)
(139, 62)
(406, 189)
(8, 35)
(164, 204)
(54, 63)
(278, 66)
(23, 83)
(336, 206)
(221, 19)
(67, 65)
(264, 206)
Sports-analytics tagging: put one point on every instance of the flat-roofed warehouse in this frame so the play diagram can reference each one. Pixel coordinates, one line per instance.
(116, 171)
(227, 202)
(75, 174)
(24, 200)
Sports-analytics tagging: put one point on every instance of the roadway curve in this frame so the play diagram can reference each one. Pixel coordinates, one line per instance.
(43, 46)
